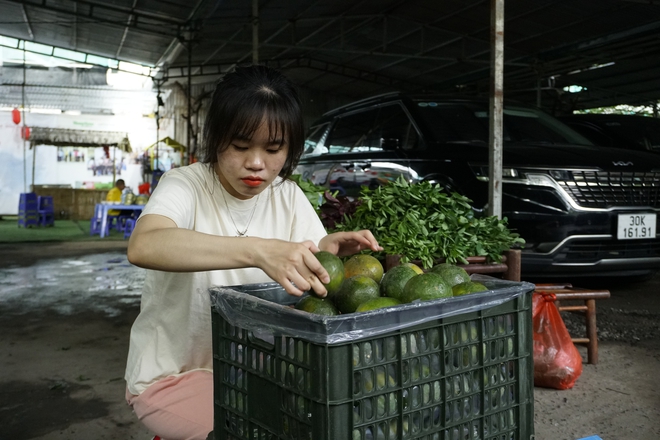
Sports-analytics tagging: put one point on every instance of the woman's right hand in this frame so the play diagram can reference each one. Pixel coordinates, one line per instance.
(292, 265)
(157, 243)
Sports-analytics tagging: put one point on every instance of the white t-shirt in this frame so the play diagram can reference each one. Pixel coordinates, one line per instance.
(172, 333)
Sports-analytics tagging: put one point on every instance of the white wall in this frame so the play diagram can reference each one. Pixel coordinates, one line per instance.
(14, 169)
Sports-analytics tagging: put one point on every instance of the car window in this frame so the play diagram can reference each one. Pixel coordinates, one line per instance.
(354, 132)
(452, 122)
(395, 129)
(522, 125)
(646, 134)
(315, 140)
(376, 129)
(458, 122)
(592, 133)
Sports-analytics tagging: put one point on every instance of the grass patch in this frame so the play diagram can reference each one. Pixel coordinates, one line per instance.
(64, 230)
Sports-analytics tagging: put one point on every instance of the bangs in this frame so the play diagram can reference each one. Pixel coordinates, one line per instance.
(249, 118)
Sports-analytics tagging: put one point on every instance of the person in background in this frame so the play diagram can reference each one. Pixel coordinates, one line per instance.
(233, 218)
(114, 195)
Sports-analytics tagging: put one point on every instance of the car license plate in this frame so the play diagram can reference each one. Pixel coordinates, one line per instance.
(636, 226)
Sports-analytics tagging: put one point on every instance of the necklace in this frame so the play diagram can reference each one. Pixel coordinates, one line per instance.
(231, 217)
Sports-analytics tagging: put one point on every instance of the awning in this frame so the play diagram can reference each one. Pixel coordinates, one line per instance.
(62, 137)
(169, 142)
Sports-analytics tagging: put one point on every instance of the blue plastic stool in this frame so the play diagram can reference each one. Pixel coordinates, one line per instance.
(46, 211)
(591, 437)
(121, 222)
(129, 224)
(96, 222)
(28, 210)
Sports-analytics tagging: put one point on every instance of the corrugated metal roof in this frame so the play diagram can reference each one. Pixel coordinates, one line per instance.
(359, 48)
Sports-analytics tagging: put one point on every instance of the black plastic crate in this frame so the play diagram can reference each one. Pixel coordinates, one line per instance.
(464, 376)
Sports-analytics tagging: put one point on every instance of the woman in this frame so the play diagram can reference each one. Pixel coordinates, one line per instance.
(231, 219)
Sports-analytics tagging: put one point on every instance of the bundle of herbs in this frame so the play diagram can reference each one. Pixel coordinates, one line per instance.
(314, 193)
(330, 207)
(421, 222)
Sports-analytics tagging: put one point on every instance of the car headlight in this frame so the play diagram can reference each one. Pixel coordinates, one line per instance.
(540, 180)
(507, 173)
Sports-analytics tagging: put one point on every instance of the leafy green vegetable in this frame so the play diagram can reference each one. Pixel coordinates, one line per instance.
(420, 222)
(330, 207)
(314, 193)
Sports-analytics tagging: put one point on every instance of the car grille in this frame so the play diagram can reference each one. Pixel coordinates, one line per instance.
(594, 250)
(601, 189)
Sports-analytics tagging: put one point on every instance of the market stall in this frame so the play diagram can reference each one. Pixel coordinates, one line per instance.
(79, 203)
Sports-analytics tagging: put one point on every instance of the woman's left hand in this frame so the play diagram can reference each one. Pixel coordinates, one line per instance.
(349, 243)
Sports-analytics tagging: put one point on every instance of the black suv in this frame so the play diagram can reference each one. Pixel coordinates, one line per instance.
(619, 131)
(583, 210)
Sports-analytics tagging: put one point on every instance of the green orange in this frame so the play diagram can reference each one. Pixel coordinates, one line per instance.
(363, 264)
(414, 267)
(335, 268)
(377, 303)
(451, 273)
(395, 280)
(354, 291)
(468, 287)
(425, 287)
(317, 306)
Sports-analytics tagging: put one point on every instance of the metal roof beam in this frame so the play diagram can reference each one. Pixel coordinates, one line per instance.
(419, 28)
(342, 34)
(206, 7)
(128, 24)
(573, 48)
(330, 21)
(331, 68)
(27, 22)
(353, 73)
(140, 23)
(93, 7)
(484, 73)
(85, 57)
(348, 51)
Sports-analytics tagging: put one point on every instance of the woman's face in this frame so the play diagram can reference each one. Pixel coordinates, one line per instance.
(248, 166)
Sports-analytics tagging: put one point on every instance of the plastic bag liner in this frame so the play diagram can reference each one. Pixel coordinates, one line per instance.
(263, 309)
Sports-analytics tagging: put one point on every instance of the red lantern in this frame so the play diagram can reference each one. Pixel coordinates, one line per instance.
(16, 116)
(25, 133)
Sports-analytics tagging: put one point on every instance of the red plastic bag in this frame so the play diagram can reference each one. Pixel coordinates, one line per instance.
(557, 363)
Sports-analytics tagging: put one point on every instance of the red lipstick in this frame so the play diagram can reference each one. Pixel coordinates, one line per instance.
(252, 181)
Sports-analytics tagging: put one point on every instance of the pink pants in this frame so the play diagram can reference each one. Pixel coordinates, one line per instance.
(177, 407)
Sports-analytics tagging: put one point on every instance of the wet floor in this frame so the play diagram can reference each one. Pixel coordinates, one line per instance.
(102, 283)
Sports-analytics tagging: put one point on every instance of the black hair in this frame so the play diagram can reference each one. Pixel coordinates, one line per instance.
(242, 100)
(120, 181)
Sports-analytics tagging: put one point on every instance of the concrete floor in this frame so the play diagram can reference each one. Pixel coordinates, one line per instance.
(66, 311)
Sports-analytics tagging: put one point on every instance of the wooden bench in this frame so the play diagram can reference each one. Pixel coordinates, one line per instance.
(566, 292)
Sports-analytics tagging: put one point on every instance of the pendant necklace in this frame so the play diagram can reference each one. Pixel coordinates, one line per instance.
(244, 231)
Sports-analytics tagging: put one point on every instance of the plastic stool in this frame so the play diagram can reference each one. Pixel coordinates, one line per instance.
(46, 211)
(121, 222)
(28, 210)
(97, 220)
(129, 224)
